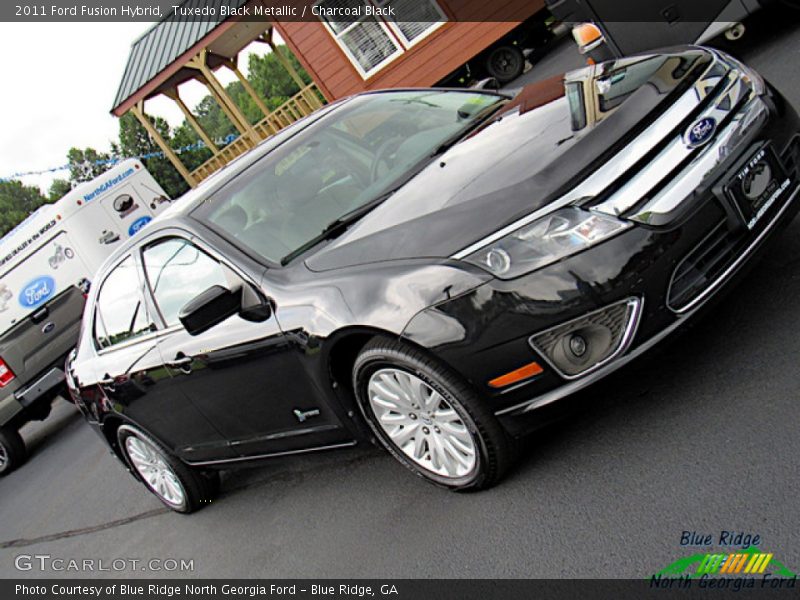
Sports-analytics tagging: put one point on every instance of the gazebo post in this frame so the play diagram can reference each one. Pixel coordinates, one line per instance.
(225, 102)
(138, 110)
(251, 92)
(266, 38)
(175, 96)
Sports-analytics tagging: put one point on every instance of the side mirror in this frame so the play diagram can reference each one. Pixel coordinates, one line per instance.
(218, 303)
(254, 305)
(210, 308)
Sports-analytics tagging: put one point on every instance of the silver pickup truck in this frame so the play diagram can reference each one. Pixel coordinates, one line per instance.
(32, 355)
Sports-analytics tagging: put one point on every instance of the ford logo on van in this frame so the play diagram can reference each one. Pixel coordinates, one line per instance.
(138, 224)
(701, 132)
(37, 292)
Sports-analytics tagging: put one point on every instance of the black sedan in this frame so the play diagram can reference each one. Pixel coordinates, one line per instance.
(429, 268)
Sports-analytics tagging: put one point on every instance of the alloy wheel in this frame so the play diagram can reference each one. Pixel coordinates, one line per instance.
(421, 423)
(156, 472)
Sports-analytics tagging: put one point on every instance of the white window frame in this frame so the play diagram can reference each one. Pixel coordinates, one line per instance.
(404, 41)
(395, 34)
(351, 57)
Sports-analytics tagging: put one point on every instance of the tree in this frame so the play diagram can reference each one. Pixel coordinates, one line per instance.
(58, 189)
(17, 201)
(83, 164)
(271, 80)
(135, 141)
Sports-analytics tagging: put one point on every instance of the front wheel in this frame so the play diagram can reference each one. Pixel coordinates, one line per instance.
(428, 418)
(12, 450)
(176, 485)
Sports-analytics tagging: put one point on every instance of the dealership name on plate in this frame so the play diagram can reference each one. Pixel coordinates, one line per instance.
(741, 539)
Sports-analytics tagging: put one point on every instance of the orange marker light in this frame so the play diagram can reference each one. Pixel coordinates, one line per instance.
(586, 33)
(526, 372)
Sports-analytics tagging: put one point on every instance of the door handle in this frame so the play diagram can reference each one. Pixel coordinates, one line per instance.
(180, 361)
(107, 380)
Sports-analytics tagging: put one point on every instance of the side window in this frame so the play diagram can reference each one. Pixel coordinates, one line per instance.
(178, 271)
(121, 314)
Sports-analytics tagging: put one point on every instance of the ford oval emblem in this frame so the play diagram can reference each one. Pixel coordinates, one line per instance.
(138, 224)
(701, 132)
(37, 292)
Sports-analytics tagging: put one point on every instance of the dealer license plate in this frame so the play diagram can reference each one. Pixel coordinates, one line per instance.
(760, 182)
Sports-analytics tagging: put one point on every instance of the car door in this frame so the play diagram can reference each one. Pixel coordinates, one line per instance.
(132, 374)
(243, 375)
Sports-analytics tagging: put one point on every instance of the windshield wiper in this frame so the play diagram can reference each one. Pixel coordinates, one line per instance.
(338, 225)
(478, 119)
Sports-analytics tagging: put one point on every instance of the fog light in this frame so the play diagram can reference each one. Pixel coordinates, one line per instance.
(580, 345)
(577, 345)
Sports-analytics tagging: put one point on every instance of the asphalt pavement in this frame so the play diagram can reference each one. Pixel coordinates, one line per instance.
(699, 435)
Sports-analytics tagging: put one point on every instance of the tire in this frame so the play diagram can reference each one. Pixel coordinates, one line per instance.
(12, 450)
(176, 485)
(448, 419)
(505, 63)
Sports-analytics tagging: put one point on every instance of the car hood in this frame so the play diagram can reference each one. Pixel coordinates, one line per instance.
(542, 144)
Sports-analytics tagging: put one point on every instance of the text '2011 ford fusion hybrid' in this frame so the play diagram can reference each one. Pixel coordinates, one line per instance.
(429, 267)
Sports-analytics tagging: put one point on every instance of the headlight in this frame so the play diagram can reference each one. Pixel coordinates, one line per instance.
(561, 233)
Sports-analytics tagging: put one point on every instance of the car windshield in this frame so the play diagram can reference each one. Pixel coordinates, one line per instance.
(345, 161)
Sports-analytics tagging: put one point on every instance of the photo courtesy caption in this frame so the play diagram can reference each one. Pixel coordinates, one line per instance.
(191, 589)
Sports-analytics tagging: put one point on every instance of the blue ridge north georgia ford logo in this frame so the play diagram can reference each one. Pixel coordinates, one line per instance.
(700, 132)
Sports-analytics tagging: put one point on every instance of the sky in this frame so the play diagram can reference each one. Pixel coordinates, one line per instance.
(59, 84)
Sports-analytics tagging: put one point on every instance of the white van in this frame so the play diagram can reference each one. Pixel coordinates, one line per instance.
(46, 265)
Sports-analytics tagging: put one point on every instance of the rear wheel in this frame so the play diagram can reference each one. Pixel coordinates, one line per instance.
(505, 63)
(12, 450)
(176, 485)
(428, 418)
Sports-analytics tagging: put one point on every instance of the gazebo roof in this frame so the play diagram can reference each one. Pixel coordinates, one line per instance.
(157, 56)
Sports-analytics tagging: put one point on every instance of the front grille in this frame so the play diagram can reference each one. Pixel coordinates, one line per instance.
(703, 265)
(719, 249)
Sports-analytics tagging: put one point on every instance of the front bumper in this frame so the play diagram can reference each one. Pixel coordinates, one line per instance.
(492, 326)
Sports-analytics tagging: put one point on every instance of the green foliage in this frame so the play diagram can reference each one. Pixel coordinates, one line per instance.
(82, 165)
(135, 141)
(58, 189)
(17, 201)
(269, 79)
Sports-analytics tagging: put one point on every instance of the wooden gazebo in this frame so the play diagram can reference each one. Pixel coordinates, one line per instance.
(175, 51)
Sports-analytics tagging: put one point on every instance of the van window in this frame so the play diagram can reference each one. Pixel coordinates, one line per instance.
(177, 272)
(121, 313)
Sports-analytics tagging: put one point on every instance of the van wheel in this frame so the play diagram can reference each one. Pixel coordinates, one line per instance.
(175, 484)
(505, 63)
(12, 450)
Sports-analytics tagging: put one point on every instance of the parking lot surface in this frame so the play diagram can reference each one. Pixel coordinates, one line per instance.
(700, 435)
